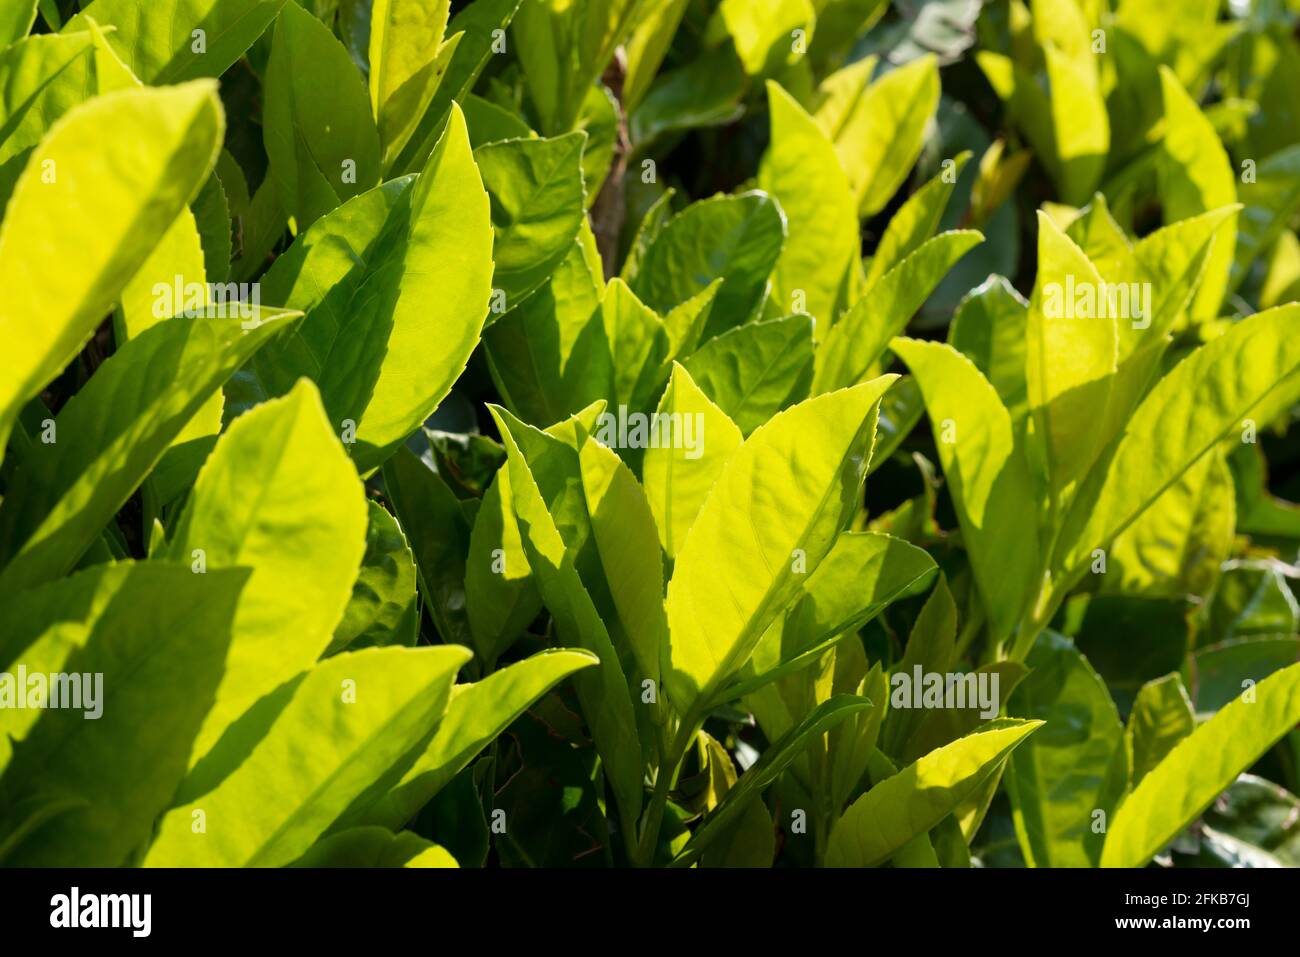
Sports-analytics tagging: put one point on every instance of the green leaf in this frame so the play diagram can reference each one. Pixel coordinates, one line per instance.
(302, 533)
(550, 357)
(754, 371)
(762, 31)
(850, 746)
(1259, 512)
(1028, 105)
(627, 544)
(155, 293)
(36, 79)
(919, 850)
(1071, 354)
(378, 704)
(989, 329)
(647, 47)
(916, 221)
(564, 47)
(155, 636)
(212, 220)
(705, 92)
(1074, 767)
(803, 174)
(1246, 372)
(491, 123)
(931, 646)
(320, 139)
(500, 594)
(1080, 125)
(261, 224)
(158, 292)
(1219, 672)
(375, 847)
(861, 576)
(407, 61)
(383, 608)
(837, 95)
(879, 139)
(1270, 201)
(395, 285)
(477, 25)
(908, 804)
(456, 816)
(109, 436)
(1162, 271)
(1253, 597)
(1195, 176)
(856, 342)
(599, 119)
(987, 473)
(775, 759)
(124, 166)
(1177, 545)
(1200, 767)
(476, 715)
(537, 197)
(734, 238)
(604, 692)
(1260, 812)
(996, 179)
(772, 516)
(158, 43)
(1175, 260)
(439, 531)
(840, 23)
(678, 480)
(1161, 717)
(685, 323)
(900, 410)
(555, 801)
(749, 842)
(941, 726)
(15, 20)
(638, 345)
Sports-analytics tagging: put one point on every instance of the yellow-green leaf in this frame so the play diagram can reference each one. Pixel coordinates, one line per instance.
(477, 713)
(1248, 372)
(376, 706)
(95, 195)
(988, 474)
(679, 478)
(167, 41)
(302, 533)
(854, 345)
(320, 139)
(1200, 767)
(772, 516)
(1070, 357)
(804, 175)
(906, 805)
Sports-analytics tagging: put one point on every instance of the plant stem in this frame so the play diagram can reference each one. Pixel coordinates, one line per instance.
(974, 622)
(1049, 598)
(653, 818)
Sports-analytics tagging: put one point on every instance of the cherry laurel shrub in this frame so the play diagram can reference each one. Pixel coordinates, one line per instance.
(648, 432)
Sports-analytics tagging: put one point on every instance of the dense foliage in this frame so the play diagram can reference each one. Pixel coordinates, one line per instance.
(649, 432)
